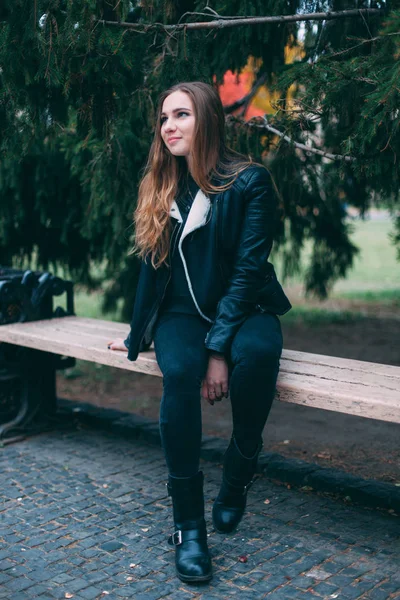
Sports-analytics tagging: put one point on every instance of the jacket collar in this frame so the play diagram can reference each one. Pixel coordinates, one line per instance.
(197, 216)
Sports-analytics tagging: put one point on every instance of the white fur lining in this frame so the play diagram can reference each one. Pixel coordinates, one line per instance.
(175, 212)
(197, 217)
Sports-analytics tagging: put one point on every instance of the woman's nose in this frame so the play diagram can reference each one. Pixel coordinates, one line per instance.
(169, 125)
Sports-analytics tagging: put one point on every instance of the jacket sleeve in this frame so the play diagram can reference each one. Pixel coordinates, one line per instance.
(251, 261)
(127, 341)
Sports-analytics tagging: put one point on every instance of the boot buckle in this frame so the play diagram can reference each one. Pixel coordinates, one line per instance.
(176, 538)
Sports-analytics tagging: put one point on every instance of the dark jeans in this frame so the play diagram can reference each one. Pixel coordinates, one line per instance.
(183, 359)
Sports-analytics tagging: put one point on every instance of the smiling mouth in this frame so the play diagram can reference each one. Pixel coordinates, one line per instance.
(174, 139)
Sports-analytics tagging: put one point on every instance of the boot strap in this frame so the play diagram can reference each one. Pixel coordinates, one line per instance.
(241, 488)
(185, 535)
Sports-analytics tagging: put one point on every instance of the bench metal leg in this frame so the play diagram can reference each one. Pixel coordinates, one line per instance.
(38, 399)
(23, 406)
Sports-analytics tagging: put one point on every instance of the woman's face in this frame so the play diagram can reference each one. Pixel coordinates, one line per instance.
(177, 123)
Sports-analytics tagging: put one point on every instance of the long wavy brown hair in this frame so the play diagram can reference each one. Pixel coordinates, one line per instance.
(164, 172)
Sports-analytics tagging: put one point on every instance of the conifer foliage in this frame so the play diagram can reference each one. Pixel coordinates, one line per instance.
(77, 103)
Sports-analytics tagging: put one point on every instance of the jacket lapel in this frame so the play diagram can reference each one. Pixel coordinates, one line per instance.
(197, 216)
(175, 213)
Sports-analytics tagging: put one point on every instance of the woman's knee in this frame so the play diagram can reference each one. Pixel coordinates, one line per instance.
(183, 375)
(258, 343)
(259, 353)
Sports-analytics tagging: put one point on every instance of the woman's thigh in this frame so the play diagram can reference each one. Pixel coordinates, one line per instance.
(258, 341)
(179, 347)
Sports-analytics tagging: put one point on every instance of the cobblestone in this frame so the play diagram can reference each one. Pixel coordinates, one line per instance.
(84, 514)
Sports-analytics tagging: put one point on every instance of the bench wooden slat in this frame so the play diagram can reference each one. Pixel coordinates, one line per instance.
(93, 337)
(332, 383)
(368, 380)
(109, 329)
(60, 337)
(342, 363)
(348, 405)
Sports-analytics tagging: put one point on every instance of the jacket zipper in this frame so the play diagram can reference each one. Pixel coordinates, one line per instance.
(158, 304)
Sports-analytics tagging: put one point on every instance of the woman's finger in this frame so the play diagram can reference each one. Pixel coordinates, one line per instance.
(218, 391)
(204, 392)
(117, 345)
(211, 395)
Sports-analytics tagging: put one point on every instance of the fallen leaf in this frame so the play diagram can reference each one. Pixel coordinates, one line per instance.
(317, 573)
(243, 558)
(325, 455)
(267, 501)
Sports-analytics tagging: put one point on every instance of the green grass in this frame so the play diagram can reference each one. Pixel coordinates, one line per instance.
(385, 297)
(375, 268)
(88, 304)
(313, 316)
(375, 275)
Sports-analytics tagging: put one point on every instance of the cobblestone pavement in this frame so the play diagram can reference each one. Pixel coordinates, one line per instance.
(84, 515)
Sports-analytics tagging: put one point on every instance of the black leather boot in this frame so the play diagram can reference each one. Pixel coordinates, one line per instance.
(237, 478)
(192, 560)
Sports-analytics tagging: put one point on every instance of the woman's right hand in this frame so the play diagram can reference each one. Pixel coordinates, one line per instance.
(215, 385)
(117, 344)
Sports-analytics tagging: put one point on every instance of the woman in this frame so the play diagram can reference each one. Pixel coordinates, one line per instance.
(208, 297)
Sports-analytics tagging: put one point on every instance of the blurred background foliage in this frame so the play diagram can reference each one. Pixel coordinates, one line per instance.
(77, 101)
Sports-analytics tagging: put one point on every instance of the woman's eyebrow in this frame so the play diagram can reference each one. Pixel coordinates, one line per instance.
(177, 110)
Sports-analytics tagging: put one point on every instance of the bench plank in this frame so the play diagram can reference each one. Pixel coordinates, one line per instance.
(344, 385)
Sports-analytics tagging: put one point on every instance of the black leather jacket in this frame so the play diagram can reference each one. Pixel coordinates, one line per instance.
(231, 277)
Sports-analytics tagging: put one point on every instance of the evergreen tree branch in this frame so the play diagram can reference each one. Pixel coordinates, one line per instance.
(222, 23)
(367, 41)
(366, 25)
(268, 127)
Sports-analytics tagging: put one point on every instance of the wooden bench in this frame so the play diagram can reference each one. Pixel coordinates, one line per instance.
(339, 384)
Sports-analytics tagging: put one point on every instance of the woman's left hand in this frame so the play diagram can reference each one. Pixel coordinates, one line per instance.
(215, 385)
(117, 344)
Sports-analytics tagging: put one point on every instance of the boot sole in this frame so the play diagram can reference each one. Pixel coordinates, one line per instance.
(192, 579)
(221, 531)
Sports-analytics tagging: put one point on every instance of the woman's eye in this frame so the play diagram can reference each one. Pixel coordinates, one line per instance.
(182, 112)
